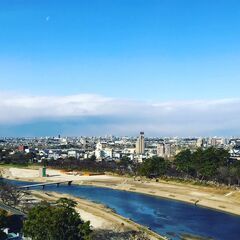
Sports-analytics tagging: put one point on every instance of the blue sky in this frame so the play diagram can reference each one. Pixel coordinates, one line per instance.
(150, 52)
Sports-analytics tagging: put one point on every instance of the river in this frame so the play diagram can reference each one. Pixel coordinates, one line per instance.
(166, 217)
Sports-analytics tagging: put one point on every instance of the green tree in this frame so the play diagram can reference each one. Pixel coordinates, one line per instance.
(60, 221)
(155, 166)
(206, 162)
(125, 161)
(184, 162)
(93, 158)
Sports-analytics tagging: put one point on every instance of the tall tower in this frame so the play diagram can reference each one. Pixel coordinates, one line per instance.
(140, 144)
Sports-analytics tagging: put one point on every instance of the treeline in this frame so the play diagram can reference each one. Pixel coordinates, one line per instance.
(211, 164)
(18, 158)
(122, 167)
(73, 164)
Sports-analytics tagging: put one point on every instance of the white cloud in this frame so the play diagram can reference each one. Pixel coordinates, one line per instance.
(123, 116)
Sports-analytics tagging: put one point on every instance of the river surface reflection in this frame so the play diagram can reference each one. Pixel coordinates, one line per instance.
(166, 217)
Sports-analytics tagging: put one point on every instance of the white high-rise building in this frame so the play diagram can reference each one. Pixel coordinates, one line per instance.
(140, 144)
(168, 150)
(161, 150)
(164, 150)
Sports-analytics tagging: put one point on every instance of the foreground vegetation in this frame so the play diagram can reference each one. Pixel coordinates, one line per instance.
(58, 221)
(44, 220)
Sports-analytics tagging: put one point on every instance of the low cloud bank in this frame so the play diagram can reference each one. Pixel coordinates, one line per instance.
(123, 116)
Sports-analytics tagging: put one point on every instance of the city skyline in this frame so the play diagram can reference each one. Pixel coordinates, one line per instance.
(170, 68)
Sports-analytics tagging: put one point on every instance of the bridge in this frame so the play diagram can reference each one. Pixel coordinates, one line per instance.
(69, 183)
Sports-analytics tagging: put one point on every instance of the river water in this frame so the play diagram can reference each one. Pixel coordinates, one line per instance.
(166, 217)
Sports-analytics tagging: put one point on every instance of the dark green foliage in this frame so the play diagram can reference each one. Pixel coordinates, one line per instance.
(210, 164)
(184, 163)
(153, 167)
(84, 165)
(18, 158)
(92, 158)
(125, 161)
(58, 222)
(207, 161)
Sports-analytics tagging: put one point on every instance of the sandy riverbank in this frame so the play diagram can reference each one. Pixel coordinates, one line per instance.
(99, 215)
(223, 199)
